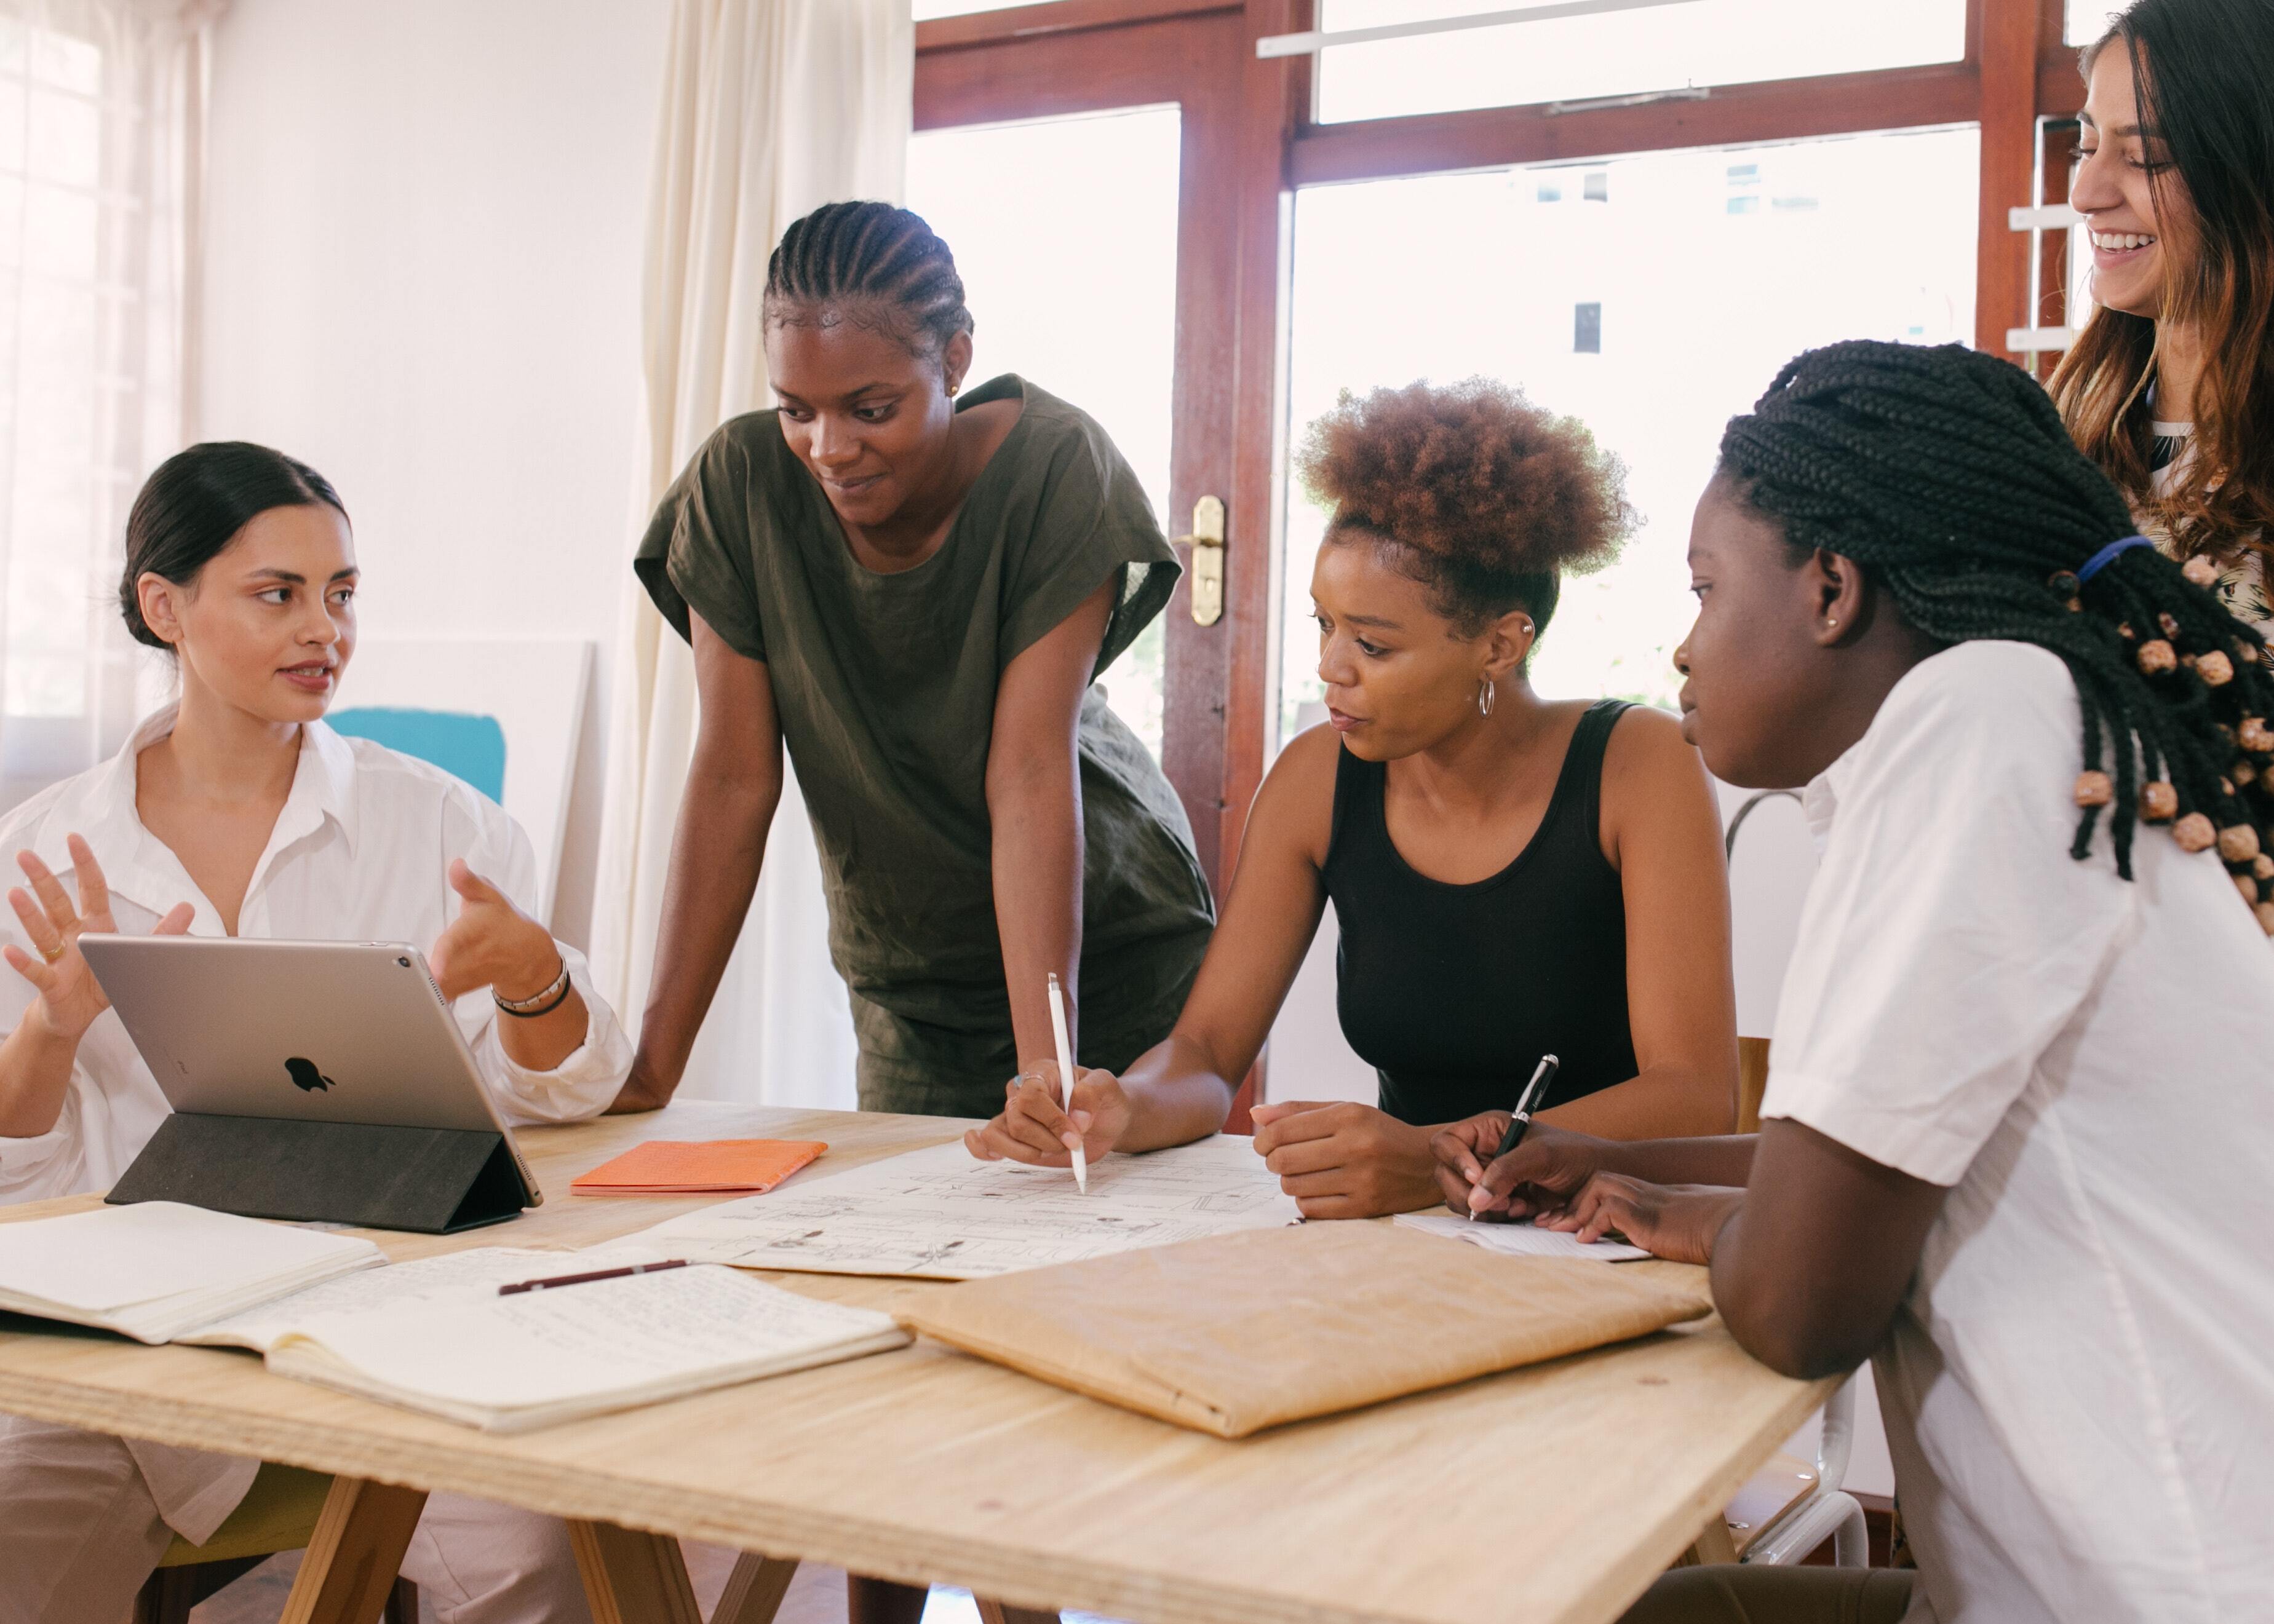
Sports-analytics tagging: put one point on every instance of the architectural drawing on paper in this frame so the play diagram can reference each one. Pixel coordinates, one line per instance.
(941, 1214)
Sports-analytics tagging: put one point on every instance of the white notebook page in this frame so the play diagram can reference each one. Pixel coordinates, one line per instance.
(116, 1257)
(1519, 1240)
(579, 1343)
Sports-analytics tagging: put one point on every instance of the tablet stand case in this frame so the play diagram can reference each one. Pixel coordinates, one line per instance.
(434, 1181)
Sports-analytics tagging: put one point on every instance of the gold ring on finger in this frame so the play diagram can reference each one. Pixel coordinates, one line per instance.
(52, 953)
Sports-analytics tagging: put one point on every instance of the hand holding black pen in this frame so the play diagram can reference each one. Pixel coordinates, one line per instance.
(1535, 1091)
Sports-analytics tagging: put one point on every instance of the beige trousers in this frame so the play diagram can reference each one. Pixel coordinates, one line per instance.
(84, 1517)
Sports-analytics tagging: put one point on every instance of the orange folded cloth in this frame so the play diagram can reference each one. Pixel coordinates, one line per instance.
(667, 1166)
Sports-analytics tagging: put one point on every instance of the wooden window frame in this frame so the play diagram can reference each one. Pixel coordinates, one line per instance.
(2016, 73)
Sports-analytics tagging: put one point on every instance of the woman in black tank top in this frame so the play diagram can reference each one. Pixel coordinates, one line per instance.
(1512, 876)
(1442, 990)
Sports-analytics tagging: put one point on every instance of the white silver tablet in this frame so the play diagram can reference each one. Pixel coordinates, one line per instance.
(346, 1032)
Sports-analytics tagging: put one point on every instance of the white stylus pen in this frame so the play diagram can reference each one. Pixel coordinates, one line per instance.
(1065, 1078)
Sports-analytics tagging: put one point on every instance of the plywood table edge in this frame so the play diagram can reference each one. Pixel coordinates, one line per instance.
(1006, 1572)
(1679, 1529)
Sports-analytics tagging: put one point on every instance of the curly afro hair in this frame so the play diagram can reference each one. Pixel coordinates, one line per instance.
(1481, 496)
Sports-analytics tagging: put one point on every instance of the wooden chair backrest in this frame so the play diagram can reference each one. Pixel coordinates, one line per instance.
(1753, 1082)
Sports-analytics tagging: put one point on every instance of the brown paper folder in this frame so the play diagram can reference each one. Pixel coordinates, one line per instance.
(1241, 1332)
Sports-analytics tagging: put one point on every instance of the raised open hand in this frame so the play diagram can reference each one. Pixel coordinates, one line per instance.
(71, 998)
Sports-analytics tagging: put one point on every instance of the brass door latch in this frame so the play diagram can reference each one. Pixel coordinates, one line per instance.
(1206, 543)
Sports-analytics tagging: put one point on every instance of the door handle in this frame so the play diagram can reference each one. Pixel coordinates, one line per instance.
(1206, 543)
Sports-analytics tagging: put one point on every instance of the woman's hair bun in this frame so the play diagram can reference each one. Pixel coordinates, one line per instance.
(194, 504)
(1483, 488)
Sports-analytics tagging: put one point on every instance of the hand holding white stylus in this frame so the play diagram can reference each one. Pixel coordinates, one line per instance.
(1065, 1080)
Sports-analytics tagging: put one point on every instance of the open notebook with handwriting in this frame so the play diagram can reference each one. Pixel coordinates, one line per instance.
(511, 1364)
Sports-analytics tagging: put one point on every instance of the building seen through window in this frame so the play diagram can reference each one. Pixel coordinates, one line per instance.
(1652, 314)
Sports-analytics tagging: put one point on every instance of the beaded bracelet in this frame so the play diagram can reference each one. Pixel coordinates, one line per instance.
(545, 1003)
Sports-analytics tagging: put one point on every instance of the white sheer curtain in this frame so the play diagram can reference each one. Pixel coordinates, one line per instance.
(771, 108)
(99, 114)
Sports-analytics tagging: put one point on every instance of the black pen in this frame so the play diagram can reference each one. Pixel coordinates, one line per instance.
(556, 1281)
(1534, 1093)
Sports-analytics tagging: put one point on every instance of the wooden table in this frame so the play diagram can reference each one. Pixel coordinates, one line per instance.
(1554, 1493)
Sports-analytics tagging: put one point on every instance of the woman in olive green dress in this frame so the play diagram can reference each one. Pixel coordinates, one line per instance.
(916, 592)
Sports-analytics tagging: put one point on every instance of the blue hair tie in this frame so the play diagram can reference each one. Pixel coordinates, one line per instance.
(2106, 556)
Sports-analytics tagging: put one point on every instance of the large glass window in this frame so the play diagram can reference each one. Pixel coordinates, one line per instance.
(1652, 297)
(1066, 232)
(51, 116)
(2088, 20)
(89, 387)
(1669, 46)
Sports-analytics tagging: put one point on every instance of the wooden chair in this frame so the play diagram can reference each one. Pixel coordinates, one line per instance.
(278, 1514)
(1753, 1082)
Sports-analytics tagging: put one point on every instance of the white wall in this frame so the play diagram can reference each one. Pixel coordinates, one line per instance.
(1308, 1057)
(423, 239)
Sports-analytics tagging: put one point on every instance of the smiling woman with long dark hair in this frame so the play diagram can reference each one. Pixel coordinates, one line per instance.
(2170, 387)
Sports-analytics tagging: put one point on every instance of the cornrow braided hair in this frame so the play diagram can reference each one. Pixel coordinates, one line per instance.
(1946, 475)
(884, 261)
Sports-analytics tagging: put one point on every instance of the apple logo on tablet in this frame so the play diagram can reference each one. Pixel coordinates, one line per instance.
(305, 1076)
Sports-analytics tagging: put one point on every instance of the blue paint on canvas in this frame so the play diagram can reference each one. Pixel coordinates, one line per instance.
(471, 747)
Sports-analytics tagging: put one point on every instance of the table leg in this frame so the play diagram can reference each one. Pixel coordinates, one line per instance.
(997, 1612)
(633, 1578)
(1714, 1545)
(755, 1590)
(349, 1571)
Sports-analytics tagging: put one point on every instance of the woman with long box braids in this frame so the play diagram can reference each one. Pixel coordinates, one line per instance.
(2017, 1112)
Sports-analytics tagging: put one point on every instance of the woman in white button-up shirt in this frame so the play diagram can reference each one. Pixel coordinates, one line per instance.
(362, 850)
(239, 812)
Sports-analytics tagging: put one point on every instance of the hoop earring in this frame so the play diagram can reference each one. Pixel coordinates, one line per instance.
(1485, 697)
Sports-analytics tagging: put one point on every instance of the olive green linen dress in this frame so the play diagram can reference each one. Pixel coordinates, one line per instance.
(885, 686)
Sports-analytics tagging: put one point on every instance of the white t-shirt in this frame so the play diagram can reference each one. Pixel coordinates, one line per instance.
(2079, 1387)
(360, 852)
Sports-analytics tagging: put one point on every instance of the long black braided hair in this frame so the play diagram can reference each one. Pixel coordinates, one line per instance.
(869, 263)
(1946, 475)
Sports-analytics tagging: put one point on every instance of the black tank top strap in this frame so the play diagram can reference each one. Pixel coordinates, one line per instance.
(1583, 762)
(1357, 802)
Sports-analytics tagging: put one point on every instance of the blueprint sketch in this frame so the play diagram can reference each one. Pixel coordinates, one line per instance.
(942, 1215)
